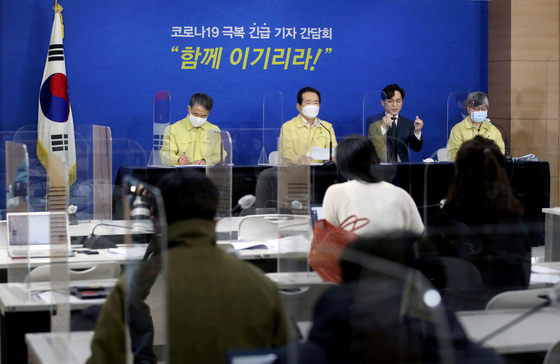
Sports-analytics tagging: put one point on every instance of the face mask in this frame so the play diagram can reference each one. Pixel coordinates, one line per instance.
(196, 121)
(479, 116)
(311, 111)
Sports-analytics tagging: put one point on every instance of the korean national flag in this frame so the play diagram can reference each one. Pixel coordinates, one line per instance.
(55, 125)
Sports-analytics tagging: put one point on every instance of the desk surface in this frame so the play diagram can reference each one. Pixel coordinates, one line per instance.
(534, 334)
(18, 297)
(40, 347)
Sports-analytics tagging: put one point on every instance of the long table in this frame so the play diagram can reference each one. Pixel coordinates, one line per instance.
(426, 183)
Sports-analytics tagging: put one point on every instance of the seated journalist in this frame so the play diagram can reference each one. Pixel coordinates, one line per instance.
(299, 135)
(387, 207)
(185, 142)
(216, 302)
(377, 314)
(392, 133)
(476, 123)
(480, 220)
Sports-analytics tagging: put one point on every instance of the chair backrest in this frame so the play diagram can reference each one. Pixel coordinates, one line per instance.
(553, 354)
(442, 155)
(265, 227)
(79, 271)
(273, 158)
(525, 298)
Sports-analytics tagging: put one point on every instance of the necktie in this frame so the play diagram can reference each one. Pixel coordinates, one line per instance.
(393, 134)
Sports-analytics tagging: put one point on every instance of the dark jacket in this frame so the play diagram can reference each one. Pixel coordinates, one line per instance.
(405, 136)
(216, 303)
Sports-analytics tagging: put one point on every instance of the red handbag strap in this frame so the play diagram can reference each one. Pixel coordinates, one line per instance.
(354, 221)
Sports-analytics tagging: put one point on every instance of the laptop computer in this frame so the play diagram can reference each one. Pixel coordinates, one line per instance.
(38, 234)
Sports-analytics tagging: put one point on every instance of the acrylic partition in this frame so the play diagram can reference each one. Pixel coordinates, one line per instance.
(382, 309)
(91, 191)
(162, 120)
(273, 118)
(146, 293)
(17, 207)
(219, 170)
(552, 114)
(456, 112)
(373, 109)
(293, 219)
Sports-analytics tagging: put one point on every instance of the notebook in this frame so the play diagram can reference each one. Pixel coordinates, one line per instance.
(38, 234)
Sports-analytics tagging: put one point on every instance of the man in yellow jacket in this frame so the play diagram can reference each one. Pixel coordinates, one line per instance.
(186, 142)
(475, 124)
(299, 135)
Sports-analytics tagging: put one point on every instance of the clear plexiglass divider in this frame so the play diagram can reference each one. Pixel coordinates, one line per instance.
(162, 120)
(389, 311)
(91, 189)
(373, 110)
(456, 113)
(273, 117)
(146, 293)
(17, 214)
(293, 219)
(219, 154)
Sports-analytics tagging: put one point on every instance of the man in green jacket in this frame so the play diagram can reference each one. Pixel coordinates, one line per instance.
(216, 302)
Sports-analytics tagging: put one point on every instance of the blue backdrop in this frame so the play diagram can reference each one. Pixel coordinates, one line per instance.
(119, 53)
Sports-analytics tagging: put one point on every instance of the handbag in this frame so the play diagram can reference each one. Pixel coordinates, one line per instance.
(328, 243)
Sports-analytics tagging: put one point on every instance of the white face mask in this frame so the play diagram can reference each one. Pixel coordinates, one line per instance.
(479, 116)
(196, 121)
(310, 111)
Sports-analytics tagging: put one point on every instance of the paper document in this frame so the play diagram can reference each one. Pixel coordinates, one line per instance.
(291, 244)
(321, 154)
(136, 252)
(250, 245)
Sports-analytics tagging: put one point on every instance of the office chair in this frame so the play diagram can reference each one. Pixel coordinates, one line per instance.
(79, 272)
(553, 354)
(265, 227)
(273, 158)
(525, 298)
(442, 155)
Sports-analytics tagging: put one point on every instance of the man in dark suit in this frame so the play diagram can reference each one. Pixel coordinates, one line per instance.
(391, 133)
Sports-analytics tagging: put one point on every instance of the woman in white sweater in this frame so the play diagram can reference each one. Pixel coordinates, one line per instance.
(387, 207)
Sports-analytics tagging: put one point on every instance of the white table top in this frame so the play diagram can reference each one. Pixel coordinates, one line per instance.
(41, 347)
(534, 334)
(18, 297)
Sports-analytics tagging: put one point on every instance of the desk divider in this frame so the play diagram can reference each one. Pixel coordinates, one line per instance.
(146, 285)
(273, 117)
(218, 170)
(294, 214)
(162, 120)
(17, 201)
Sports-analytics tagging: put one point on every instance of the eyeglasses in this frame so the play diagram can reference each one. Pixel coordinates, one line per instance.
(394, 102)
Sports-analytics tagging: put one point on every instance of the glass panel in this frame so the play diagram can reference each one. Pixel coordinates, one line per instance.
(162, 119)
(273, 118)
(18, 227)
(293, 221)
(146, 289)
(59, 285)
(219, 150)
(372, 109)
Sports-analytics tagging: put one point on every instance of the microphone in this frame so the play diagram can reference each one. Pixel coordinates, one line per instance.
(244, 202)
(505, 136)
(330, 162)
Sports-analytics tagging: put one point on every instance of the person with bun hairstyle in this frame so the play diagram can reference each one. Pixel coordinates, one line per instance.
(480, 220)
(387, 207)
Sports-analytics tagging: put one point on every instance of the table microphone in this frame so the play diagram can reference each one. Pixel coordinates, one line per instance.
(244, 202)
(330, 162)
